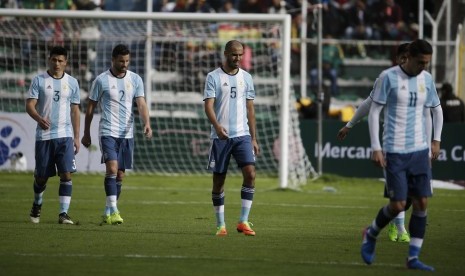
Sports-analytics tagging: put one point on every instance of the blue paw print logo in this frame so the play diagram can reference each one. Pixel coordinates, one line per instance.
(7, 142)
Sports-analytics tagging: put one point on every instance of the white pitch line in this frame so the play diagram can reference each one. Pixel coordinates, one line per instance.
(155, 202)
(181, 257)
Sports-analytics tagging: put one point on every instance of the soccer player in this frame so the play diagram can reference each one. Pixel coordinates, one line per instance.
(228, 100)
(405, 91)
(116, 90)
(53, 102)
(396, 229)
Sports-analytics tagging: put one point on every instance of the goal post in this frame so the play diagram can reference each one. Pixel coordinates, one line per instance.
(172, 52)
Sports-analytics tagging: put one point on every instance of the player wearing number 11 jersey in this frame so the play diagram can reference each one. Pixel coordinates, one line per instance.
(228, 99)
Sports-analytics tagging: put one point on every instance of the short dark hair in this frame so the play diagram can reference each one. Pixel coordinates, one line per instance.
(420, 47)
(58, 51)
(230, 44)
(120, 50)
(402, 49)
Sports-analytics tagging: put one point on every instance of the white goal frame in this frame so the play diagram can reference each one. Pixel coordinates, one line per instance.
(283, 19)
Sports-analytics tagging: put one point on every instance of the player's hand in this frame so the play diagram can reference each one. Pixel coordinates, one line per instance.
(148, 132)
(222, 133)
(341, 135)
(86, 140)
(435, 149)
(256, 148)
(76, 145)
(378, 158)
(44, 123)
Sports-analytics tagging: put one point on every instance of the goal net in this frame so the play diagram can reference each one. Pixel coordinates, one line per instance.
(173, 54)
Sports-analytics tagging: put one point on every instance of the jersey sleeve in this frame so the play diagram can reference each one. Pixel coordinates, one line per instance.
(34, 88)
(96, 90)
(209, 91)
(432, 99)
(76, 94)
(250, 94)
(139, 89)
(381, 89)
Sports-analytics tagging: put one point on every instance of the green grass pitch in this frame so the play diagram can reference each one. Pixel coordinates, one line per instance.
(169, 227)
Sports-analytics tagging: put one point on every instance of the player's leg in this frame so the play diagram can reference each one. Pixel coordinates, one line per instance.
(45, 167)
(244, 155)
(66, 164)
(218, 202)
(392, 229)
(125, 161)
(417, 227)
(384, 216)
(218, 161)
(396, 183)
(119, 183)
(420, 189)
(399, 224)
(109, 147)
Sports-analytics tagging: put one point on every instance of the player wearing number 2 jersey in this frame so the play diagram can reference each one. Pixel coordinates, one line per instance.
(116, 90)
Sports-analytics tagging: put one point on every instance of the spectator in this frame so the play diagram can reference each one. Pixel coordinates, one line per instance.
(228, 7)
(389, 21)
(332, 61)
(359, 27)
(335, 16)
(180, 6)
(250, 6)
(87, 5)
(452, 106)
(277, 7)
(359, 23)
(200, 6)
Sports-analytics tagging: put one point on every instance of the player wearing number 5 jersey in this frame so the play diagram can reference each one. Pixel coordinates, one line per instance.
(228, 98)
(53, 102)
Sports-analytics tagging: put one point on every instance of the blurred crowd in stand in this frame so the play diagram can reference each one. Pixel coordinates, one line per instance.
(352, 20)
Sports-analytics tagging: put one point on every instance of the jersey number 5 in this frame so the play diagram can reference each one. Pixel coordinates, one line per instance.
(233, 92)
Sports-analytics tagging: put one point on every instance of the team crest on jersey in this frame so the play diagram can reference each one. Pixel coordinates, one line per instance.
(421, 88)
(65, 87)
(241, 84)
(128, 86)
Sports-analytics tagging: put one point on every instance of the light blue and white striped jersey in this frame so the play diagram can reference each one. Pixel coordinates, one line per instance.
(54, 98)
(404, 98)
(231, 93)
(116, 97)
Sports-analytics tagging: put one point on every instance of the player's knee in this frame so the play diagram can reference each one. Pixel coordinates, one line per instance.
(397, 207)
(249, 177)
(40, 181)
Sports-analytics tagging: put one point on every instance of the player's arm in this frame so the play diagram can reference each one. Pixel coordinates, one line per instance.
(43, 123)
(373, 125)
(210, 112)
(437, 130)
(86, 140)
(252, 125)
(76, 122)
(144, 114)
(361, 112)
